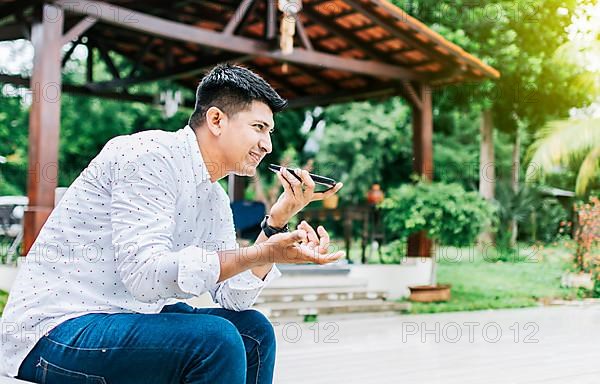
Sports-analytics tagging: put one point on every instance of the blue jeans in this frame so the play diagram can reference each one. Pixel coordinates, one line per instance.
(181, 344)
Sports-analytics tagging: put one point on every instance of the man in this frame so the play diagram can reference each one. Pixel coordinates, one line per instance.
(145, 225)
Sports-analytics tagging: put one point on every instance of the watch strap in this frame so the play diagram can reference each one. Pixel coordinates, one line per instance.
(269, 230)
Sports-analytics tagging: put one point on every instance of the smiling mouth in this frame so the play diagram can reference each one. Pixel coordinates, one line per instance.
(255, 157)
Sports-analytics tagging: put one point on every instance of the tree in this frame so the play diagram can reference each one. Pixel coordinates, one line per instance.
(575, 142)
(366, 143)
(13, 144)
(519, 38)
(568, 143)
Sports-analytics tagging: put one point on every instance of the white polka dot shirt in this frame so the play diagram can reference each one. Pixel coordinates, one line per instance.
(138, 229)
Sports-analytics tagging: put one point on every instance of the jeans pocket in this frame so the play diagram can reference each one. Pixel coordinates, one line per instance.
(48, 373)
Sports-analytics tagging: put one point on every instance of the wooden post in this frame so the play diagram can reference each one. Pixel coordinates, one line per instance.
(422, 124)
(236, 187)
(44, 119)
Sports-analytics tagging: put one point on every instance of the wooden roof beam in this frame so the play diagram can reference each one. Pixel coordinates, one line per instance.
(106, 58)
(271, 20)
(330, 25)
(313, 75)
(78, 29)
(183, 71)
(82, 90)
(237, 17)
(406, 37)
(89, 67)
(249, 16)
(67, 55)
(283, 80)
(409, 92)
(156, 26)
(465, 59)
(384, 90)
(303, 35)
(141, 54)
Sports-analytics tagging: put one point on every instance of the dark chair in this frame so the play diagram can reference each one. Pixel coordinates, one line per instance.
(247, 216)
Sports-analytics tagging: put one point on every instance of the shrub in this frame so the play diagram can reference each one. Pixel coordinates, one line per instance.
(546, 222)
(587, 236)
(446, 212)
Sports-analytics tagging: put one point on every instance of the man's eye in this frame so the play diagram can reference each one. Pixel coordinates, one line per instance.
(261, 127)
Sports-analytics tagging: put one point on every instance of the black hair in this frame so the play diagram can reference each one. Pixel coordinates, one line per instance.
(232, 89)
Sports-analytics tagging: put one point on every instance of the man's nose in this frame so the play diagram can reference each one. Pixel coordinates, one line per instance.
(266, 145)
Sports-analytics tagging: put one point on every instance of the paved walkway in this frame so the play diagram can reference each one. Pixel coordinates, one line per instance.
(533, 345)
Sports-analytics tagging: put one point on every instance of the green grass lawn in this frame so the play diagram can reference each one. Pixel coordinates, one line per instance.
(3, 298)
(500, 280)
(494, 279)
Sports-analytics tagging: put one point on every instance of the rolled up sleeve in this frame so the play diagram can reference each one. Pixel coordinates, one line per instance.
(239, 292)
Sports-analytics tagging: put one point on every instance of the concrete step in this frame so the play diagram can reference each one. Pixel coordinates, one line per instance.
(315, 281)
(287, 295)
(301, 309)
(334, 317)
(334, 269)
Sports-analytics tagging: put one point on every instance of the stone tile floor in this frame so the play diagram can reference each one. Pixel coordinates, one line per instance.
(556, 344)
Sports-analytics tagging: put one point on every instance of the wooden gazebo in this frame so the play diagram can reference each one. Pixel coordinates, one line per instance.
(344, 50)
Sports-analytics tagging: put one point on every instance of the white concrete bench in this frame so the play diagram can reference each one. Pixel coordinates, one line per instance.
(10, 380)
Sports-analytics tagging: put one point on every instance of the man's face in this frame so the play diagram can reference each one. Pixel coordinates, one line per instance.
(247, 138)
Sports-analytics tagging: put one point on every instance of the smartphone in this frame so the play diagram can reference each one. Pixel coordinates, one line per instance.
(318, 179)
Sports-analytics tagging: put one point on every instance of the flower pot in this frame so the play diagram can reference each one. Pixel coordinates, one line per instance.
(375, 195)
(331, 202)
(430, 293)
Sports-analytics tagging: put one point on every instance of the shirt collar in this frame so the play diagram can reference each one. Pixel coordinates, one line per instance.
(198, 165)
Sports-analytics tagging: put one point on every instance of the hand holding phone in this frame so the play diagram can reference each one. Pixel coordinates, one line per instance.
(318, 179)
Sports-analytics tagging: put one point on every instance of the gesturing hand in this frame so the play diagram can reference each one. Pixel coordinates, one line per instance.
(301, 246)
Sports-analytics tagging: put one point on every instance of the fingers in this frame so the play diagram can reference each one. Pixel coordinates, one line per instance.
(299, 187)
(335, 189)
(310, 256)
(299, 235)
(306, 253)
(307, 180)
(324, 240)
(291, 248)
(295, 184)
(313, 239)
(287, 187)
(330, 258)
(329, 192)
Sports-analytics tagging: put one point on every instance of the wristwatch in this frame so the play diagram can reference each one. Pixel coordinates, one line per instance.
(269, 230)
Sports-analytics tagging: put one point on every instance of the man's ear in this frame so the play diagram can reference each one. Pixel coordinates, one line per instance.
(215, 119)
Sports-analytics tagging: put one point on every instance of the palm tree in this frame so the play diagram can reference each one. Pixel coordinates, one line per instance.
(568, 143)
(574, 142)
(514, 207)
